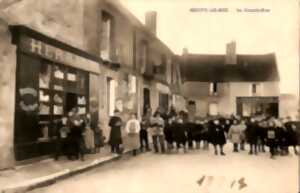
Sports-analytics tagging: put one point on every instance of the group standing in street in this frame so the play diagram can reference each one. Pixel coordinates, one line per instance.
(171, 132)
(77, 136)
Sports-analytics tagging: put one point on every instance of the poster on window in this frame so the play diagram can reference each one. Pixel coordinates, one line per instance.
(45, 76)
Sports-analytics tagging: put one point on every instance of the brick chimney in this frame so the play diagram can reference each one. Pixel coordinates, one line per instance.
(231, 57)
(185, 51)
(150, 21)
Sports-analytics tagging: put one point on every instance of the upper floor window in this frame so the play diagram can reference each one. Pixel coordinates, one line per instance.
(143, 56)
(213, 88)
(256, 89)
(106, 36)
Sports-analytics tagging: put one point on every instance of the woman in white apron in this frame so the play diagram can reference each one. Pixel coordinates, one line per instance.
(132, 129)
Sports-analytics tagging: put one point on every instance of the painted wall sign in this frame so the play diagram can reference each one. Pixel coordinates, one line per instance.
(163, 88)
(257, 99)
(25, 104)
(55, 54)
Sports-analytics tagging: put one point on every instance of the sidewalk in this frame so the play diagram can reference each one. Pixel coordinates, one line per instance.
(46, 172)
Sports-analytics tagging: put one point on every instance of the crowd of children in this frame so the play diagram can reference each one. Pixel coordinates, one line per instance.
(171, 132)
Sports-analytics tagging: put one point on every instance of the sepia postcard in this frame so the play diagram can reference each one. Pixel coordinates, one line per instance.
(149, 96)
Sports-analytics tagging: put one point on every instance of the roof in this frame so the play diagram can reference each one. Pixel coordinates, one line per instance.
(136, 22)
(212, 68)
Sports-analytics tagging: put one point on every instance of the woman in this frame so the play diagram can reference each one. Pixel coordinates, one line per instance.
(261, 134)
(234, 134)
(272, 135)
(217, 136)
(88, 135)
(180, 135)
(252, 136)
(115, 137)
(292, 136)
(76, 135)
(132, 129)
(197, 134)
(62, 130)
(168, 133)
(283, 138)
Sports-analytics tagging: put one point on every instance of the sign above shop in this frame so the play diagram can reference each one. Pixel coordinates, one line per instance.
(257, 99)
(59, 55)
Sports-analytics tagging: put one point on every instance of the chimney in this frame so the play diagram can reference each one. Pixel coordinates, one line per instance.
(150, 21)
(231, 57)
(185, 51)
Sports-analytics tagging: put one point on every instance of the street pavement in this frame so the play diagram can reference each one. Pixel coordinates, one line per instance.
(197, 171)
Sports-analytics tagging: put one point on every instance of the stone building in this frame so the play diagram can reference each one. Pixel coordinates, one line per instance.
(92, 54)
(231, 84)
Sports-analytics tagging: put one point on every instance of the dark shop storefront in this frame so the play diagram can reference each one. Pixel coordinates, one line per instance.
(52, 78)
(258, 106)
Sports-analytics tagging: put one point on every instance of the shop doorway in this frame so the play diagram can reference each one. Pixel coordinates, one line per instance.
(257, 106)
(146, 100)
(164, 102)
(71, 101)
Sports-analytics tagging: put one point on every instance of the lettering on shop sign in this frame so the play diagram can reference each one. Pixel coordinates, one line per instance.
(56, 54)
(206, 181)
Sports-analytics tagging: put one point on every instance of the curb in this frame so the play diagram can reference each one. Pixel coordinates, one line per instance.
(66, 173)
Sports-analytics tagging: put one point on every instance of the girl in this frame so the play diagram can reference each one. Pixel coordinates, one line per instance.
(234, 134)
(132, 129)
(272, 138)
(218, 137)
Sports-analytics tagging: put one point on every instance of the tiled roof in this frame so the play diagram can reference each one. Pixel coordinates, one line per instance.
(212, 68)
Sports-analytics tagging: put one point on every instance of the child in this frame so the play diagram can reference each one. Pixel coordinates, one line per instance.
(234, 134)
(132, 129)
(168, 134)
(99, 138)
(144, 142)
(180, 135)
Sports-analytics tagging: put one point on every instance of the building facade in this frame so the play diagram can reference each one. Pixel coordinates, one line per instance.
(231, 84)
(90, 54)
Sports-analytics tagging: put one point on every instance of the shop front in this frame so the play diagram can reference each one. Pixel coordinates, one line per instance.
(51, 79)
(257, 106)
(164, 95)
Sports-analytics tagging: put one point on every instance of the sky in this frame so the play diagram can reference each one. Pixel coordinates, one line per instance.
(273, 31)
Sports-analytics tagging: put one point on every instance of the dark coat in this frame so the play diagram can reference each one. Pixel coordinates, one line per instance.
(291, 134)
(198, 132)
(179, 133)
(217, 134)
(272, 136)
(168, 133)
(283, 136)
(115, 137)
(252, 133)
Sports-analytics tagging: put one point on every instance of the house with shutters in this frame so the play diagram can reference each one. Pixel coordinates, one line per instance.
(230, 84)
